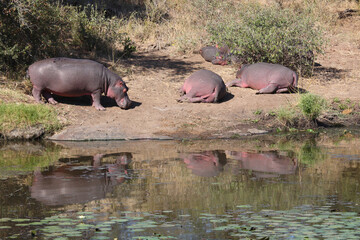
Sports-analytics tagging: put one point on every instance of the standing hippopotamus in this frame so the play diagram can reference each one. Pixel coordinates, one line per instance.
(76, 77)
(215, 55)
(77, 182)
(203, 86)
(266, 77)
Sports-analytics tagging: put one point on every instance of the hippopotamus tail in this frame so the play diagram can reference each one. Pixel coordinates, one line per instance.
(293, 86)
(27, 74)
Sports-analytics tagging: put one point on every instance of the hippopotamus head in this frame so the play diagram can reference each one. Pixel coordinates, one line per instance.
(118, 91)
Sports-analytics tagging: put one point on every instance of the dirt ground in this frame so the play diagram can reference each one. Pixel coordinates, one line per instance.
(154, 78)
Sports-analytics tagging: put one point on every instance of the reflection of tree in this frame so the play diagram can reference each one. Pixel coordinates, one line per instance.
(310, 153)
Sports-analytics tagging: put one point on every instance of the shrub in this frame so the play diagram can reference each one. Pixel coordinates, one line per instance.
(37, 29)
(311, 105)
(270, 34)
(29, 30)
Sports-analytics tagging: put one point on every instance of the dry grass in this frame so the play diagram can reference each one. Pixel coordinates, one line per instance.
(182, 25)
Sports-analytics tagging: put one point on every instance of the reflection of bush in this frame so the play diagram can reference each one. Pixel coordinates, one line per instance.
(25, 158)
(310, 153)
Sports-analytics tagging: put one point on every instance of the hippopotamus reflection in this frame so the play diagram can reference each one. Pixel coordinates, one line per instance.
(74, 183)
(265, 164)
(206, 164)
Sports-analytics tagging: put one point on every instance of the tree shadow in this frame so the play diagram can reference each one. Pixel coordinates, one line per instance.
(154, 63)
(123, 8)
(327, 74)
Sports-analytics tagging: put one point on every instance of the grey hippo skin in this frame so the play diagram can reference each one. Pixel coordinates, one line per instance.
(76, 77)
(215, 55)
(203, 86)
(69, 184)
(266, 77)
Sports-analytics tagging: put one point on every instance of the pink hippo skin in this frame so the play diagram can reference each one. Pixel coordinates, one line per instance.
(76, 77)
(205, 164)
(203, 86)
(265, 164)
(266, 77)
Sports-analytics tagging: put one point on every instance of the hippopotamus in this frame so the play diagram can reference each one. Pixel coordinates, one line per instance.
(72, 183)
(205, 164)
(215, 55)
(265, 164)
(266, 77)
(76, 77)
(203, 86)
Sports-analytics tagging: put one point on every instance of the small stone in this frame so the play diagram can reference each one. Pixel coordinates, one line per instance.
(257, 131)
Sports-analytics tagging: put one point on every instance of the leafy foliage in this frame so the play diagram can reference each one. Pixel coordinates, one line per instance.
(37, 29)
(311, 105)
(270, 34)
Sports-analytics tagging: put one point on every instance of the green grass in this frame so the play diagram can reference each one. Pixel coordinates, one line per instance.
(286, 115)
(13, 115)
(312, 105)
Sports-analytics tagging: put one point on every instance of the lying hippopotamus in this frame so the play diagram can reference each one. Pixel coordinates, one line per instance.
(76, 77)
(265, 164)
(266, 77)
(203, 86)
(215, 55)
(205, 164)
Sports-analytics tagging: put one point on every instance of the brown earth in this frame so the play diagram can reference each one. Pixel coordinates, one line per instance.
(155, 77)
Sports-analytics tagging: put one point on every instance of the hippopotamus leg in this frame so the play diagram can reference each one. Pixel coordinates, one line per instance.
(237, 83)
(49, 97)
(45, 93)
(96, 95)
(194, 99)
(271, 88)
(36, 94)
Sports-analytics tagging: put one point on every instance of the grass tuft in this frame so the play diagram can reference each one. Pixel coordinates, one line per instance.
(20, 116)
(311, 105)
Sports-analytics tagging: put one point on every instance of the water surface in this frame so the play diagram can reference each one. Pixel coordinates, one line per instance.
(258, 188)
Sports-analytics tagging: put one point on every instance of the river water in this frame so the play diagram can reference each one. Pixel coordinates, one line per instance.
(267, 187)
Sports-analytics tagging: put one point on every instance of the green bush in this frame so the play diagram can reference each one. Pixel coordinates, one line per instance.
(311, 105)
(35, 29)
(28, 30)
(269, 34)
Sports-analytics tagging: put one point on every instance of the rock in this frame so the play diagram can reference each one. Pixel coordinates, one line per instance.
(28, 133)
(257, 131)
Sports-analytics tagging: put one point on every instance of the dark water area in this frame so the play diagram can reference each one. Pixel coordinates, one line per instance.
(269, 187)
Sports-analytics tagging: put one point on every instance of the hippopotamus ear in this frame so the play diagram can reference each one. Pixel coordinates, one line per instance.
(119, 83)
